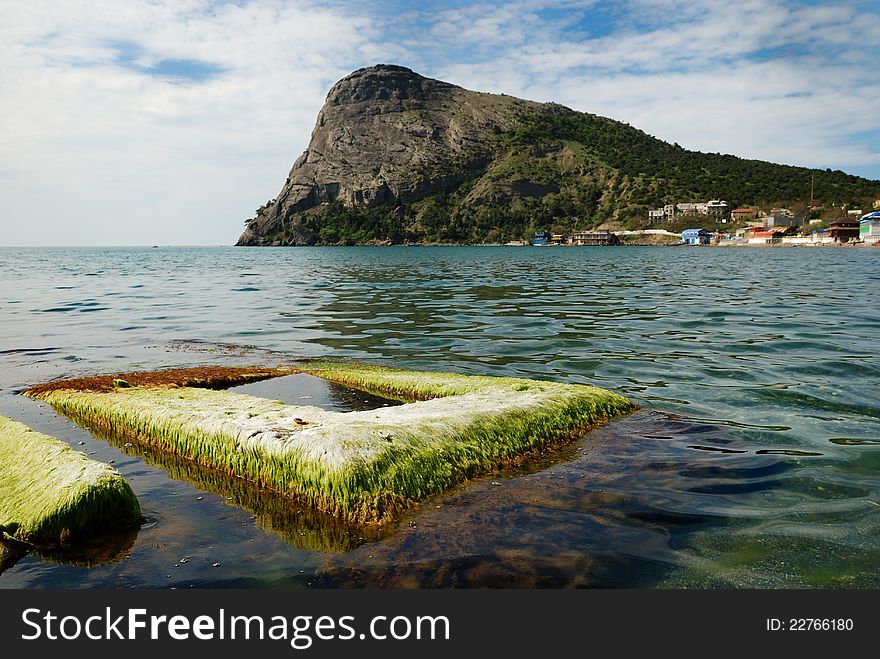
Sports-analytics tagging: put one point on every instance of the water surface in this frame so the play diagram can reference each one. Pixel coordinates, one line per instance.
(754, 462)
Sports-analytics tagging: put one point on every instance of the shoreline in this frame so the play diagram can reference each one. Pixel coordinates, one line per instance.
(631, 244)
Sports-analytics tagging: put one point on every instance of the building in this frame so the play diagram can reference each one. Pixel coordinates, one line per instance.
(696, 237)
(821, 236)
(688, 208)
(781, 212)
(594, 238)
(743, 213)
(665, 213)
(718, 209)
(844, 231)
(541, 238)
(869, 228)
(770, 235)
(783, 221)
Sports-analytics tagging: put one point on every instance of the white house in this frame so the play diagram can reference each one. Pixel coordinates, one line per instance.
(869, 228)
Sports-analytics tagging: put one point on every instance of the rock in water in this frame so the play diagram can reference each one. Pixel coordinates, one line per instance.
(362, 467)
(50, 493)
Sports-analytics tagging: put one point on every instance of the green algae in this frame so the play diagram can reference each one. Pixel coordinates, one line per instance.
(302, 527)
(363, 466)
(50, 493)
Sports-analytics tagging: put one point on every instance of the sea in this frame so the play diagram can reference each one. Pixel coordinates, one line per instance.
(753, 461)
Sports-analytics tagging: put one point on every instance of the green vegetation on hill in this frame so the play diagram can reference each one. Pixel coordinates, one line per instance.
(660, 172)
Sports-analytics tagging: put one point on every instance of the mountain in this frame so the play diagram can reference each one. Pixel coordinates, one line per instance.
(398, 157)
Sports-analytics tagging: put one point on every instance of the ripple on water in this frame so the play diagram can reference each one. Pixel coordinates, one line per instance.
(766, 480)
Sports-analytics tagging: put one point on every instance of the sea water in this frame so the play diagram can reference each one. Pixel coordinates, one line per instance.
(754, 460)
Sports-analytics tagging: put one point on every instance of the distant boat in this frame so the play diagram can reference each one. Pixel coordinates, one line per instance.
(155, 247)
(414, 244)
(541, 238)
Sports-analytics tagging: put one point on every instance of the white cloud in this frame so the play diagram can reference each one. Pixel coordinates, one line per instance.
(767, 80)
(98, 152)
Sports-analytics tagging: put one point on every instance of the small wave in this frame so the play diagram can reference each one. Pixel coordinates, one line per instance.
(853, 441)
(739, 424)
(716, 449)
(29, 351)
(807, 401)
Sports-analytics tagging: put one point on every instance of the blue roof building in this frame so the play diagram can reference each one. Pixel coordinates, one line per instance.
(869, 227)
(696, 236)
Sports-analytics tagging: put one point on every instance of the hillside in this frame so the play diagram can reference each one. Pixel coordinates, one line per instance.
(397, 157)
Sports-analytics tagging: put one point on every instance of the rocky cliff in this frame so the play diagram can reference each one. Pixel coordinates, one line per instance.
(395, 156)
(386, 135)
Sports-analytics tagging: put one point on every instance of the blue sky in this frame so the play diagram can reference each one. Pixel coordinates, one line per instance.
(169, 122)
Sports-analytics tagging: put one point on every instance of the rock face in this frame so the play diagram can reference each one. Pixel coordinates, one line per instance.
(396, 157)
(386, 135)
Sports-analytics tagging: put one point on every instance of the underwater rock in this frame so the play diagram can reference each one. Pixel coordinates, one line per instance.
(51, 494)
(364, 466)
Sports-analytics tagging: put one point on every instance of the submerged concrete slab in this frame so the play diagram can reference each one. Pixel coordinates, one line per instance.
(50, 493)
(364, 466)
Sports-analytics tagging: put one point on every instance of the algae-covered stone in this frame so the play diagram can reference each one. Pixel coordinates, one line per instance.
(50, 493)
(363, 465)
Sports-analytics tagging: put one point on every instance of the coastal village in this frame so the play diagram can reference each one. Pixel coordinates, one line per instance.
(741, 226)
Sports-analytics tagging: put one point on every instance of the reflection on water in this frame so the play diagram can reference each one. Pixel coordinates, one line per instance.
(99, 549)
(302, 527)
(304, 389)
(760, 468)
(634, 507)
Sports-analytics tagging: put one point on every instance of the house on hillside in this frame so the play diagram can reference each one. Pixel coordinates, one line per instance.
(783, 221)
(719, 209)
(696, 236)
(743, 213)
(692, 208)
(715, 208)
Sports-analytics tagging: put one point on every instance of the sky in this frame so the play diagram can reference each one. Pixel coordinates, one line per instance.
(169, 122)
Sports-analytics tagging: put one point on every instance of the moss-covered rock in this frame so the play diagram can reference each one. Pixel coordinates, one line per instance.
(50, 493)
(366, 465)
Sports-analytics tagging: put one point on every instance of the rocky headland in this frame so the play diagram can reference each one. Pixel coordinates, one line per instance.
(397, 157)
